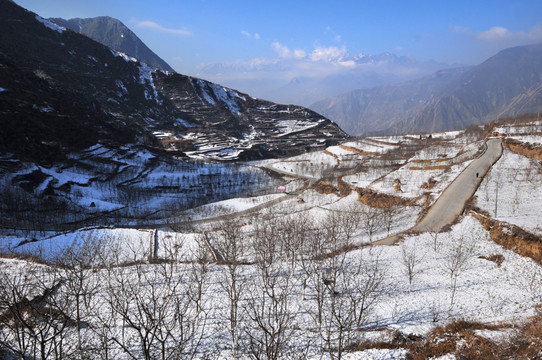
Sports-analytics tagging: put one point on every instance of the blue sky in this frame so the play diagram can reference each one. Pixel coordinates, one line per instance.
(239, 35)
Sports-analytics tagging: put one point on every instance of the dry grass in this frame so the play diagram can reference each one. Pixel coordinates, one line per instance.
(357, 151)
(380, 200)
(527, 150)
(511, 237)
(430, 167)
(342, 188)
(496, 258)
(460, 339)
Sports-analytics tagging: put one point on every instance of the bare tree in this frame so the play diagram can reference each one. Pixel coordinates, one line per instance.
(388, 215)
(372, 221)
(352, 287)
(434, 236)
(456, 263)
(230, 244)
(15, 291)
(33, 319)
(294, 231)
(200, 273)
(270, 329)
(156, 304)
(410, 262)
(342, 288)
(79, 262)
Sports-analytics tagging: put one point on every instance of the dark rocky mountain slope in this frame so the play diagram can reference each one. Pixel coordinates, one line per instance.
(506, 84)
(115, 35)
(62, 92)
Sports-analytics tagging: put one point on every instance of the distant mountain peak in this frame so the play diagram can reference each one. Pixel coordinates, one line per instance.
(114, 34)
(507, 84)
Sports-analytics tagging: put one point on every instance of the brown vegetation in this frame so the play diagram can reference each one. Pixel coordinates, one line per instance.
(510, 236)
(460, 338)
(379, 200)
(429, 184)
(427, 161)
(357, 151)
(496, 258)
(397, 185)
(342, 188)
(334, 155)
(528, 150)
(430, 167)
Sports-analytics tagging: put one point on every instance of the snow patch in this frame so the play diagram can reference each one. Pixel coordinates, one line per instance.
(50, 24)
(226, 96)
(145, 78)
(126, 57)
(292, 126)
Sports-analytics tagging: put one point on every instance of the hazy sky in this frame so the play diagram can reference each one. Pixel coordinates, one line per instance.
(197, 34)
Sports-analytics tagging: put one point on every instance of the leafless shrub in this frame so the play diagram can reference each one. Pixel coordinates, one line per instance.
(457, 262)
(410, 262)
(231, 244)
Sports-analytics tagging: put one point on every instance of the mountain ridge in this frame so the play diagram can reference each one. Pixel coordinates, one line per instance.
(97, 89)
(114, 34)
(506, 84)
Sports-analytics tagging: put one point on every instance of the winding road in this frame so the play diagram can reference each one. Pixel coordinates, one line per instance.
(452, 201)
(442, 213)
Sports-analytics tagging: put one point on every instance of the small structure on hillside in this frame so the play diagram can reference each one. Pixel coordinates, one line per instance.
(397, 185)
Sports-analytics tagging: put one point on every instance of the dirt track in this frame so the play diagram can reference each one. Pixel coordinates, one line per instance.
(452, 201)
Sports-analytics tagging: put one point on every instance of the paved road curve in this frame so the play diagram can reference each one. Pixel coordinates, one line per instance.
(452, 201)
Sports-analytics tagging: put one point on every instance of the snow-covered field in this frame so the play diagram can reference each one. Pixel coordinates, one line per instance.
(277, 248)
(451, 278)
(511, 192)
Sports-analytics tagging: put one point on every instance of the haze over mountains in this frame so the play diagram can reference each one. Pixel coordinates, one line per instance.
(507, 84)
(320, 75)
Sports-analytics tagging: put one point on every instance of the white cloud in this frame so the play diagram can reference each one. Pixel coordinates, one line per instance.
(285, 53)
(248, 35)
(500, 34)
(298, 76)
(495, 33)
(328, 54)
(299, 54)
(155, 26)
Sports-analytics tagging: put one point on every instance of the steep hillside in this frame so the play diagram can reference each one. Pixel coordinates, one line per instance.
(381, 109)
(115, 35)
(313, 262)
(60, 81)
(506, 84)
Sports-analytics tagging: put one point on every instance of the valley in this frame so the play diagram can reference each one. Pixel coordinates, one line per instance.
(147, 214)
(317, 236)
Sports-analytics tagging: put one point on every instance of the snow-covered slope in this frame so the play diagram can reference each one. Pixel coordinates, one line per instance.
(432, 293)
